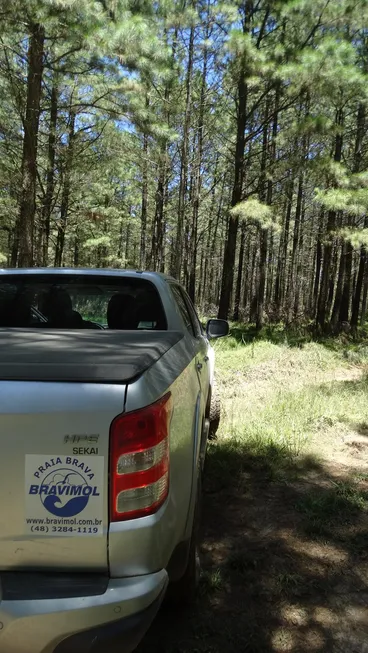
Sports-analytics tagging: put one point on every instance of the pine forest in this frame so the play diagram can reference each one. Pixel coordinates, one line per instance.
(223, 143)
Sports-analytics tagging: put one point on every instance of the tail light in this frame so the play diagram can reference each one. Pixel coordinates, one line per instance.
(139, 450)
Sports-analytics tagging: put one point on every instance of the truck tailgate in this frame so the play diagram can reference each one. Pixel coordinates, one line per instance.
(59, 393)
(54, 440)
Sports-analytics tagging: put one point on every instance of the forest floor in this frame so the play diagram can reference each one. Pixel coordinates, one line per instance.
(285, 532)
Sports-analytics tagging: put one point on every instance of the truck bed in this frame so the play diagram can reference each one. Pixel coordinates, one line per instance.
(81, 356)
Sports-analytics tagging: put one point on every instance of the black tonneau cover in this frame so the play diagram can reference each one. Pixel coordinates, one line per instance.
(90, 356)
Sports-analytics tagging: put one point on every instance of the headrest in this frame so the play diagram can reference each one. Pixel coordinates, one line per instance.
(121, 312)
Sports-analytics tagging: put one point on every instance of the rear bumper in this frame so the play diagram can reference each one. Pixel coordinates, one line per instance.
(113, 621)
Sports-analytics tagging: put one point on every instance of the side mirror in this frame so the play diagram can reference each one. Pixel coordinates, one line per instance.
(217, 328)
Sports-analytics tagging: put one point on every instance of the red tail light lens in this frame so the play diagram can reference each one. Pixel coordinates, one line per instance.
(139, 450)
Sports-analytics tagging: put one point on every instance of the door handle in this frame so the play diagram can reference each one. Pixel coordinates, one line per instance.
(206, 359)
(199, 366)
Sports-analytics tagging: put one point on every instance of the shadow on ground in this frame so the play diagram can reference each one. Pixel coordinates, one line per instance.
(285, 565)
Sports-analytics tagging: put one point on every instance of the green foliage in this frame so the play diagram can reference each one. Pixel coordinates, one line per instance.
(154, 91)
(257, 212)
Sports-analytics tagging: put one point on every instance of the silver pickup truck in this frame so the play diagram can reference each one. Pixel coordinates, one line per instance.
(102, 437)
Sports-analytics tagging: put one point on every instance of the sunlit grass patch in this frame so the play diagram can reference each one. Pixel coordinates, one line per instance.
(282, 396)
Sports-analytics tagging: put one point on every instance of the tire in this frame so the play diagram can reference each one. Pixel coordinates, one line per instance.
(215, 412)
(183, 591)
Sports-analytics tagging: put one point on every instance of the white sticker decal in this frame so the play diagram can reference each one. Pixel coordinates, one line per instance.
(64, 495)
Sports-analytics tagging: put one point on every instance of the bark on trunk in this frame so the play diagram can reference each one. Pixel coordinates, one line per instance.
(339, 288)
(204, 294)
(64, 207)
(240, 275)
(263, 247)
(50, 181)
(198, 180)
(144, 205)
(76, 249)
(364, 299)
(265, 195)
(158, 224)
(213, 294)
(297, 227)
(298, 285)
(358, 288)
(178, 259)
(361, 125)
(280, 282)
(324, 293)
(22, 253)
(227, 280)
(318, 268)
(346, 290)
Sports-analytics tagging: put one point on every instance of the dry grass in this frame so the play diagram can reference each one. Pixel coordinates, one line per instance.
(306, 399)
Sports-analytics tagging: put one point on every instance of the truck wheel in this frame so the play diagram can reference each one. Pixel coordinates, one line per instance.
(215, 412)
(183, 591)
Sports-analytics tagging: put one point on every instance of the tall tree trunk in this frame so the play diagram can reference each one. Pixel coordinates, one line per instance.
(364, 299)
(127, 243)
(361, 126)
(22, 253)
(178, 259)
(333, 276)
(158, 223)
(311, 260)
(248, 278)
(347, 249)
(240, 275)
(144, 205)
(263, 249)
(359, 285)
(76, 249)
(317, 278)
(324, 292)
(270, 271)
(64, 207)
(227, 280)
(339, 288)
(265, 195)
(297, 228)
(198, 178)
(50, 179)
(204, 295)
(230, 245)
(280, 285)
(263, 233)
(213, 295)
(299, 264)
(188, 221)
(346, 290)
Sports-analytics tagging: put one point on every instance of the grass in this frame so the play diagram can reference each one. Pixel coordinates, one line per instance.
(287, 581)
(285, 530)
(286, 410)
(339, 506)
(353, 347)
(279, 401)
(210, 582)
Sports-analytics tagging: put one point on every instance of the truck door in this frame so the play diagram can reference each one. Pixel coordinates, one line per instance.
(198, 343)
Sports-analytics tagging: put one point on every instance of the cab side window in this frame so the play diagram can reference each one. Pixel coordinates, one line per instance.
(183, 309)
(193, 314)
